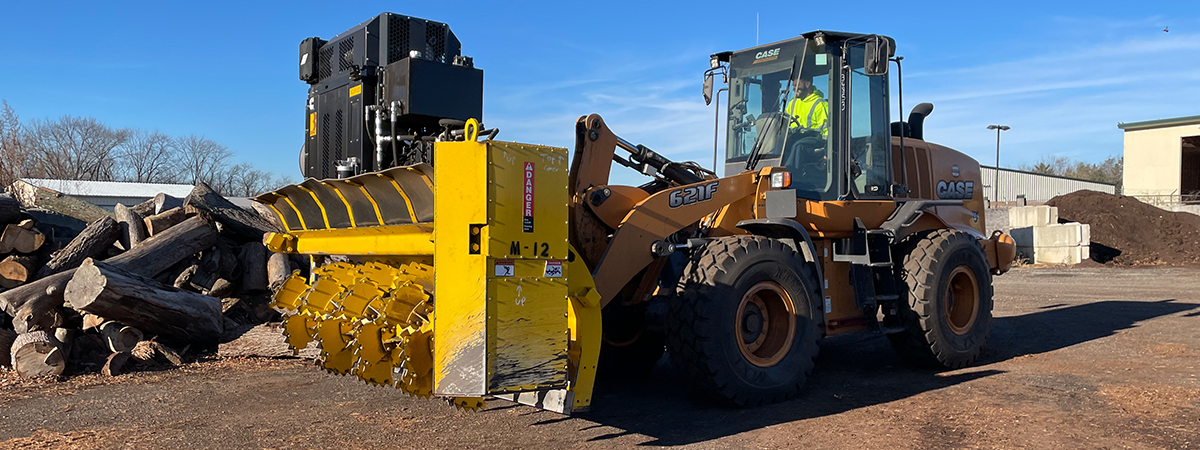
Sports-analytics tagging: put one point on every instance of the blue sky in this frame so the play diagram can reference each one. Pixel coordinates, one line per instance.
(1062, 74)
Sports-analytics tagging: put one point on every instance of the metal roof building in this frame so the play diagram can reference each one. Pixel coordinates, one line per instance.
(1035, 187)
(105, 194)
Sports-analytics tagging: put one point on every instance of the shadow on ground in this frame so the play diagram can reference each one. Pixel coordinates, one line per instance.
(1052, 329)
(852, 372)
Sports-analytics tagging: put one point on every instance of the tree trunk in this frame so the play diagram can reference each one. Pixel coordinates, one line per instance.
(159, 223)
(164, 202)
(61, 203)
(222, 260)
(10, 209)
(17, 269)
(21, 239)
(37, 299)
(172, 314)
(279, 268)
(144, 209)
(95, 239)
(152, 351)
(38, 354)
(185, 278)
(221, 288)
(6, 341)
(266, 213)
(115, 365)
(254, 267)
(249, 226)
(133, 228)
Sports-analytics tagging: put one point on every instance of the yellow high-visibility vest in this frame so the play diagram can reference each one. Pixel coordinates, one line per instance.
(810, 112)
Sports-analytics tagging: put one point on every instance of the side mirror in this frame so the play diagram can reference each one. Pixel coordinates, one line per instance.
(875, 55)
(708, 84)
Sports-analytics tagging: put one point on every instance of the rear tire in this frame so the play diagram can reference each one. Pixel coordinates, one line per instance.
(743, 325)
(947, 312)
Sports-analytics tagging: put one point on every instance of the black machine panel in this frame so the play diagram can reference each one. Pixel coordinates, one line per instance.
(379, 92)
(427, 89)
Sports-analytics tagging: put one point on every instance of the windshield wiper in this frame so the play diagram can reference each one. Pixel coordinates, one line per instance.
(756, 149)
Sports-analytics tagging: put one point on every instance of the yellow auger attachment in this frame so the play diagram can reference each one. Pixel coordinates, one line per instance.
(498, 305)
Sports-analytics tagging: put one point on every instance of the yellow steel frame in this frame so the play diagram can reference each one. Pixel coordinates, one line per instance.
(407, 240)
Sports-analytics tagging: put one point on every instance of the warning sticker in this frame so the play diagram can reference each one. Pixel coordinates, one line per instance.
(505, 268)
(554, 269)
(527, 205)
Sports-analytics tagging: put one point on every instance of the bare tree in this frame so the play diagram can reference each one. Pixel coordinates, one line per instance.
(14, 159)
(82, 148)
(73, 148)
(202, 160)
(148, 157)
(248, 182)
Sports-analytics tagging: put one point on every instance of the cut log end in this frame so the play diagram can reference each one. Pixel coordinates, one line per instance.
(38, 354)
(17, 269)
(120, 338)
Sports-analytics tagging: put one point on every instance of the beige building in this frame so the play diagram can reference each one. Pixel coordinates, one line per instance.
(1162, 160)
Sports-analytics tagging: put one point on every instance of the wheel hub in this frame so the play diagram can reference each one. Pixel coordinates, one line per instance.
(766, 324)
(962, 300)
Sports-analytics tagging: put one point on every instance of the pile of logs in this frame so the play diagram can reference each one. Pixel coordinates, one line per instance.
(161, 278)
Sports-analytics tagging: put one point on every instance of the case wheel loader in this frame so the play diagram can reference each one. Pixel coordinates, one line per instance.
(451, 264)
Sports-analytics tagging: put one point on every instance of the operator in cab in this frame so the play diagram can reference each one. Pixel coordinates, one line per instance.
(808, 109)
(807, 113)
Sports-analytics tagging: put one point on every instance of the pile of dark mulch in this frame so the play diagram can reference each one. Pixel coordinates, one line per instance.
(1127, 232)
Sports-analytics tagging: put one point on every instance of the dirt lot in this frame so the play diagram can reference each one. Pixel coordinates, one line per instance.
(1079, 358)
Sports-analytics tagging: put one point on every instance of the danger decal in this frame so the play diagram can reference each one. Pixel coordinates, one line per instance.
(527, 204)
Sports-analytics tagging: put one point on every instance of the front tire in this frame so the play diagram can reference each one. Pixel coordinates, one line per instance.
(743, 326)
(948, 312)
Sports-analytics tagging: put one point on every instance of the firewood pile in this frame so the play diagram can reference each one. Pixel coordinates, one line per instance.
(155, 284)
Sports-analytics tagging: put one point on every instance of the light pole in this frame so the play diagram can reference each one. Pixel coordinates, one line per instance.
(996, 184)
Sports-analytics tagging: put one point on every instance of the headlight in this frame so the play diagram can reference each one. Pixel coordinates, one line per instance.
(780, 180)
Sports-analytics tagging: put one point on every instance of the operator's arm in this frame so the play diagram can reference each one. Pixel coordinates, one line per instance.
(820, 118)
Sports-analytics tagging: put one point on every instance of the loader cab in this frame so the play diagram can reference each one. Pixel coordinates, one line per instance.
(817, 105)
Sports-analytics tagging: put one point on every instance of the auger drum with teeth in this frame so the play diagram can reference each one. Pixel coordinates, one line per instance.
(464, 290)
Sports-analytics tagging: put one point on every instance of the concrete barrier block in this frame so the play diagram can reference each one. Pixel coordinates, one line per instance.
(1057, 255)
(1060, 255)
(1061, 235)
(1032, 216)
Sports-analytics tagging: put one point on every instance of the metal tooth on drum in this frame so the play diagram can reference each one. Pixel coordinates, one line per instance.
(371, 320)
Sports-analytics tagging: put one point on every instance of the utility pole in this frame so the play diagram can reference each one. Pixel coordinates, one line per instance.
(996, 184)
